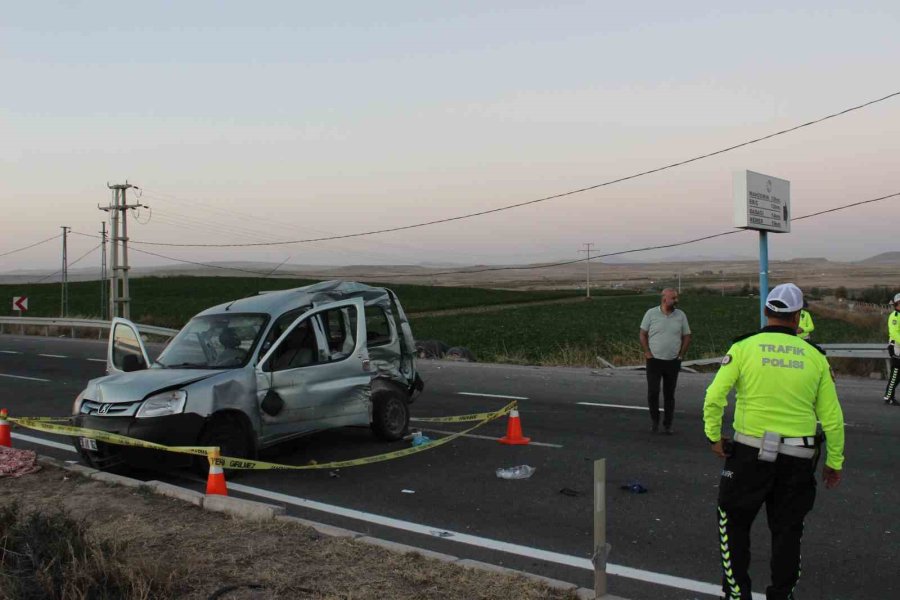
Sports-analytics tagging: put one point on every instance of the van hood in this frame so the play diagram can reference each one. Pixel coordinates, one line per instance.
(137, 385)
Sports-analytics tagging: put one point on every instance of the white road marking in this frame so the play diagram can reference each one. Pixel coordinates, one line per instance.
(103, 360)
(26, 378)
(487, 437)
(53, 355)
(480, 542)
(492, 396)
(462, 538)
(614, 405)
(9, 352)
(43, 442)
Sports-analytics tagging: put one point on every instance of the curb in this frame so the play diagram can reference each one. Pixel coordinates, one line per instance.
(260, 512)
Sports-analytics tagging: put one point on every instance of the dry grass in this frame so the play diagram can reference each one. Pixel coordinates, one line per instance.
(186, 552)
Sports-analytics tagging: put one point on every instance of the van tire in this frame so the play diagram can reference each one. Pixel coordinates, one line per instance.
(390, 414)
(229, 432)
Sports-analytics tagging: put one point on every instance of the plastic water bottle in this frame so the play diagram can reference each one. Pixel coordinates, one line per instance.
(520, 472)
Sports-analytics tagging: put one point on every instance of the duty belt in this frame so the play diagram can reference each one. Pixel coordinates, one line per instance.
(797, 446)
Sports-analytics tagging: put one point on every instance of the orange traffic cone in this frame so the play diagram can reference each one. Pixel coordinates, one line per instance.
(215, 483)
(514, 430)
(5, 438)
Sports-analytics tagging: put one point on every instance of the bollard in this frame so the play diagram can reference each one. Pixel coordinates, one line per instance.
(600, 547)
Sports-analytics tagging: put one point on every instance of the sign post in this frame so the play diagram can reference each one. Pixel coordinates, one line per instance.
(763, 203)
(20, 303)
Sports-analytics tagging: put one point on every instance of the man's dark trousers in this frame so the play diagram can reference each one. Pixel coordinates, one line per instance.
(788, 489)
(667, 371)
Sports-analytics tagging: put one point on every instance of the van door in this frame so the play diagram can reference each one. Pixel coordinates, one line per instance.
(314, 377)
(126, 351)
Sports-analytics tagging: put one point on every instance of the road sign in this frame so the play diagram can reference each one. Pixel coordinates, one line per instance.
(762, 202)
(20, 303)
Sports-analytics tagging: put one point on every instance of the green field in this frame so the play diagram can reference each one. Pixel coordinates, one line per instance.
(171, 301)
(574, 334)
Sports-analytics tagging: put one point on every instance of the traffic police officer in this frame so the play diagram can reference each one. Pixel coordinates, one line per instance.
(805, 329)
(894, 351)
(784, 385)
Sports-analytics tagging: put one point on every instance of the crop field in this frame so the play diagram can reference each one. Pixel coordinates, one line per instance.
(171, 301)
(576, 333)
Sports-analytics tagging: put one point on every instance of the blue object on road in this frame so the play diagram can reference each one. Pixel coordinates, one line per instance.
(635, 487)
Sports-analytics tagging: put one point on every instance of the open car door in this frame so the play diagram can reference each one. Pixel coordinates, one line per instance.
(126, 351)
(317, 373)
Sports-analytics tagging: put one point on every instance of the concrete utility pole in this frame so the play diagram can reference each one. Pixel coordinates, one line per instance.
(587, 248)
(119, 299)
(104, 309)
(64, 276)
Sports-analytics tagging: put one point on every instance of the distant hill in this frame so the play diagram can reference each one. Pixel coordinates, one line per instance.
(882, 259)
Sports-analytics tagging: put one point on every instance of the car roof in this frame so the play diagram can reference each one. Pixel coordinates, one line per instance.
(277, 302)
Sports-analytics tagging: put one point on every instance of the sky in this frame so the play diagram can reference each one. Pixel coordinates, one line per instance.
(270, 121)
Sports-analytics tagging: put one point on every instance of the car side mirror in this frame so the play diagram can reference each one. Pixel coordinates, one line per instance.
(132, 362)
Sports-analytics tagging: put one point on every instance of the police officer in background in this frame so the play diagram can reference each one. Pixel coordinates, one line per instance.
(784, 385)
(805, 329)
(894, 351)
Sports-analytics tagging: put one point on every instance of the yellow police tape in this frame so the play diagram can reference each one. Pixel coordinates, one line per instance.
(44, 424)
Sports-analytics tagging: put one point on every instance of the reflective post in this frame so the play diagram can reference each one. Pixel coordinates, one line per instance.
(763, 275)
(600, 547)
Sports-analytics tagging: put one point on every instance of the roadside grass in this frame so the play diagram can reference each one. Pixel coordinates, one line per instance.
(51, 555)
(574, 334)
(171, 301)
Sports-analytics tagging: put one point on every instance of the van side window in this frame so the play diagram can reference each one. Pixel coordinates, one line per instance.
(378, 328)
(280, 326)
(299, 349)
(339, 325)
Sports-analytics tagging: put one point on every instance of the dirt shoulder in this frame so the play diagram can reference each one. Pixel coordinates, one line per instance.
(196, 554)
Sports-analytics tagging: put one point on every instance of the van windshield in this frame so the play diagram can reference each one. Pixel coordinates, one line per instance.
(223, 341)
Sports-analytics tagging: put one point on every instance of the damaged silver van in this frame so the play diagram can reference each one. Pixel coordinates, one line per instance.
(255, 372)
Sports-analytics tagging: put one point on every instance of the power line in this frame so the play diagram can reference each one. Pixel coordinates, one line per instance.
(49, 239)
(74, 262)
(530, 202)
(517, 268)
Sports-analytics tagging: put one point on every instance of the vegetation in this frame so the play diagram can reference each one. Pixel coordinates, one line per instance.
(577, 333)
(51, 556)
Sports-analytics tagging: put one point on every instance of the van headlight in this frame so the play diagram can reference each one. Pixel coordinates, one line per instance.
(76, 406)
(167, 403)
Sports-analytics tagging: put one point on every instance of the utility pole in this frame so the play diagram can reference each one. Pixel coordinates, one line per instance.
(587, 248)
(119, 299)
(64, 276)
(103, 283)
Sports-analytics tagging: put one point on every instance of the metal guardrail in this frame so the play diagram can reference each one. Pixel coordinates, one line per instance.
(73, 324)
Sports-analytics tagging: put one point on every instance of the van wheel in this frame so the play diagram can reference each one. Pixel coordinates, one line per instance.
(390, 414)
(226, 431)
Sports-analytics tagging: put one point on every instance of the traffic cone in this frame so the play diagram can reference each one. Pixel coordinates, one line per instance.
(215, 483)
(513, 435)
(5, 438)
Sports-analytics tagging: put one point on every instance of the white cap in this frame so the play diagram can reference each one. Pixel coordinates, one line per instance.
(788, 296)
(896, 298)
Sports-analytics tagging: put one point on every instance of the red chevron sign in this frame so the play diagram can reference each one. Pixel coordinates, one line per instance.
(20, 303)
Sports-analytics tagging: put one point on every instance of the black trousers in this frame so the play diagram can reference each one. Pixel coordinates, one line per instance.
(667, 372)
(893, 378)
(788, 489)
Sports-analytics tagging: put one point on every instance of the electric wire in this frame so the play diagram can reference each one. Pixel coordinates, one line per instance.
(76, 261)
(370, 276)
(536, 201)
(49, 239)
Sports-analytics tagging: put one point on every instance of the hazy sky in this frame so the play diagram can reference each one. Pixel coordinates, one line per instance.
(265, 121)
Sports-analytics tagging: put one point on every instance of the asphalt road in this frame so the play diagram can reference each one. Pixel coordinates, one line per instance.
(460, 507)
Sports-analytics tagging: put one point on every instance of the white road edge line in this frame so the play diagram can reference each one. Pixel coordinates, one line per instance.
(462, 538)
(471, 540)
(9, 352)
(487, 437)
(42, 441)
(613, 405)
(53, 356)
(103, 360)
(26, 378)
(492, 396)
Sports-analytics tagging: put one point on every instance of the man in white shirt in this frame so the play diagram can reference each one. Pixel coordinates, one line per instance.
(665, 337)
